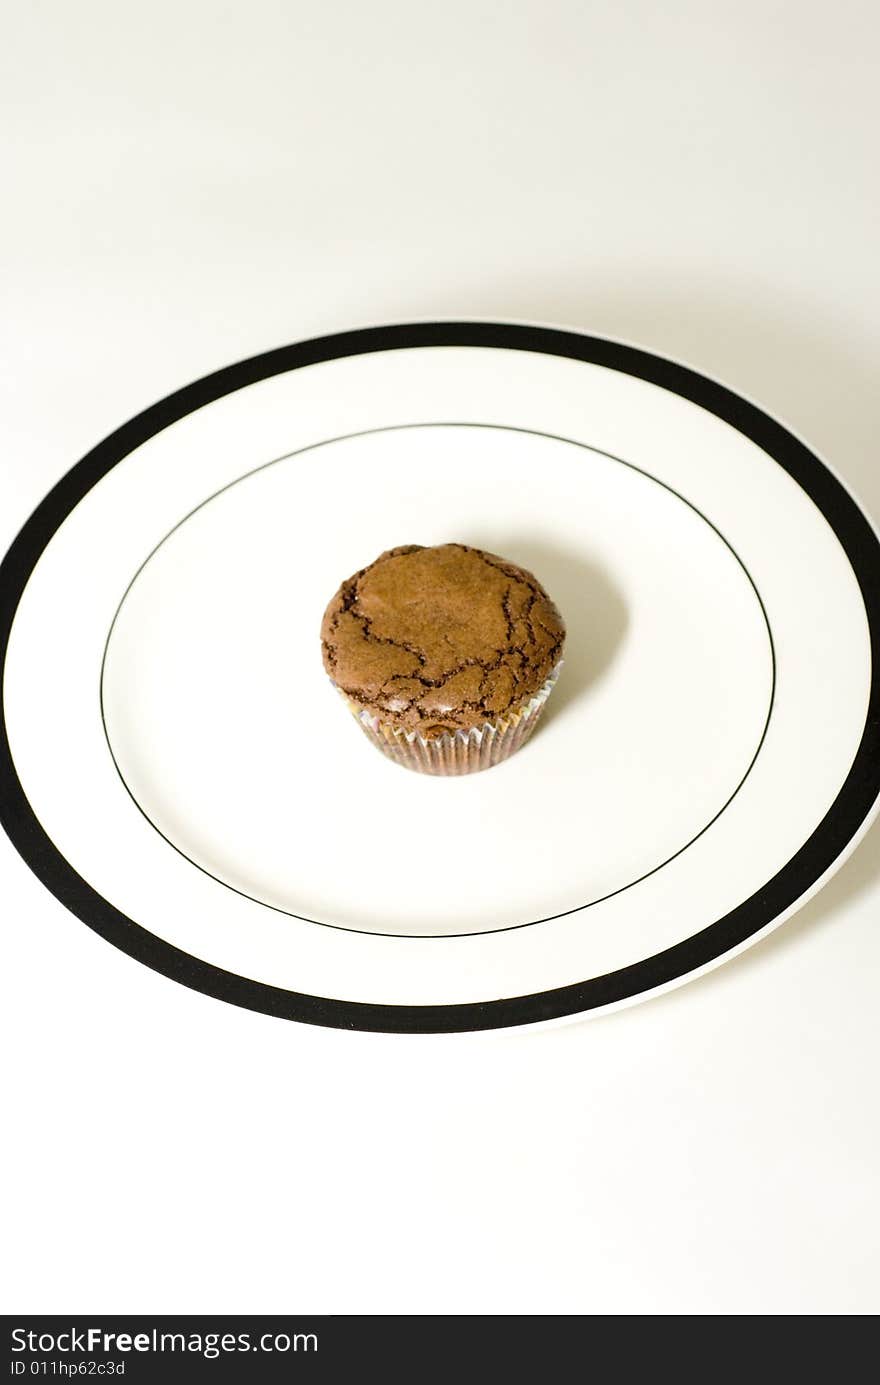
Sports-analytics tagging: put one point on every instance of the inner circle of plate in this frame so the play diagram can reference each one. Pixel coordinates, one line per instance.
(181, 674)
(26, 780)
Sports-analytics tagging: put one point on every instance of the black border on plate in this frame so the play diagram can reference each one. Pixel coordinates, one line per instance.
(808, 865)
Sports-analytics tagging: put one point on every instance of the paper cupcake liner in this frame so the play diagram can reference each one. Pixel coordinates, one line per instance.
(456, 752)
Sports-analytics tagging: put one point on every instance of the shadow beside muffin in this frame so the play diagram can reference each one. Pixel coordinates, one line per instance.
(591, 604)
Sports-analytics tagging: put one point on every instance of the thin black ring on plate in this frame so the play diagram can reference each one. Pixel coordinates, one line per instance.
(809, 863)
(482, 932)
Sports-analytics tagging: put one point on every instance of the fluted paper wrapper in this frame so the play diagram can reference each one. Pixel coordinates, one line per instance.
(456, 752)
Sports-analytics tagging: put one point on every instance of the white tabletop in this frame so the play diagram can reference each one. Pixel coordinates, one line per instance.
(185, 186)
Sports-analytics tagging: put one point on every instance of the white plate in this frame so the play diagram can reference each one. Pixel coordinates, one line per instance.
(180, 773)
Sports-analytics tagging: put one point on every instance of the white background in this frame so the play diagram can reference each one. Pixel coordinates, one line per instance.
(187, 184)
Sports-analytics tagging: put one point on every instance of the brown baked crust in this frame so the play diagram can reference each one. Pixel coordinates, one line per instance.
(442, 638)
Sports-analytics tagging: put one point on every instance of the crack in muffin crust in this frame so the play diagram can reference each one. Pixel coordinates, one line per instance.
(441, 639)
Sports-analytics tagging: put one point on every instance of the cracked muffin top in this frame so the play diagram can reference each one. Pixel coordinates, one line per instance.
(441, 639)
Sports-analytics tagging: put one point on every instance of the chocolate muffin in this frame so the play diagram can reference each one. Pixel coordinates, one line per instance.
(445, 655)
